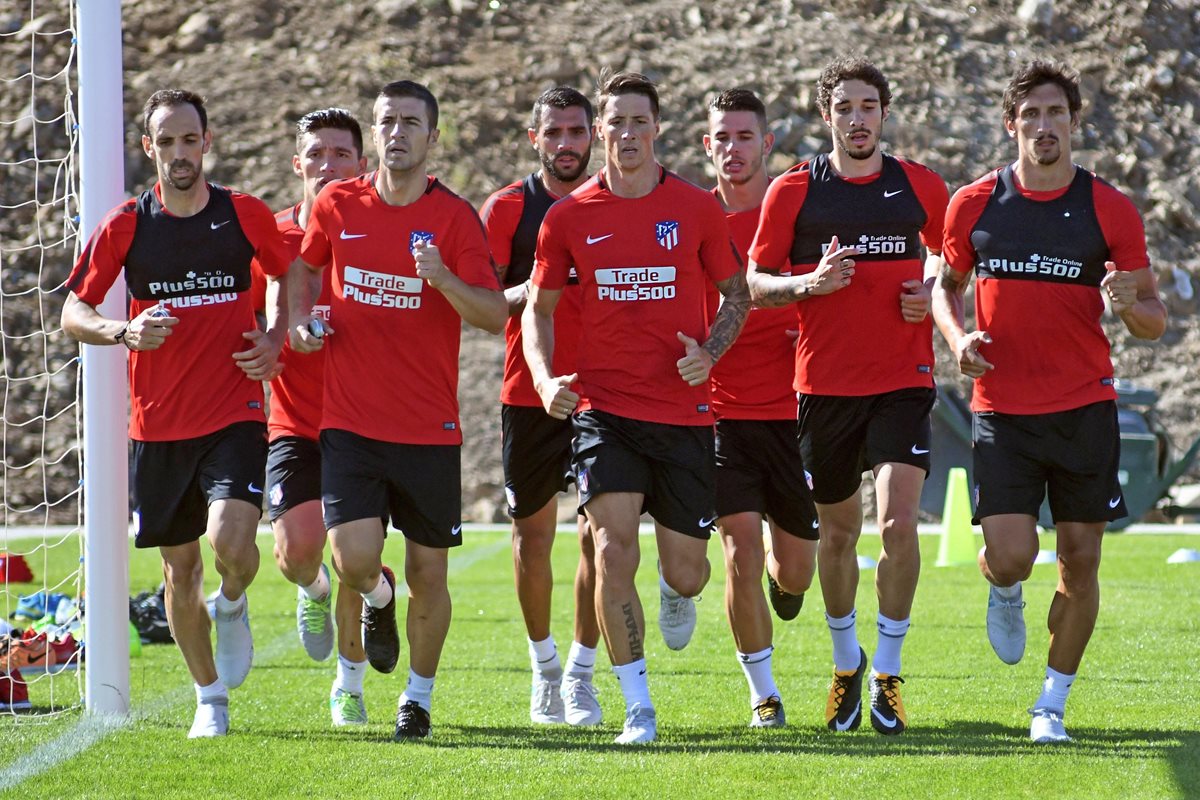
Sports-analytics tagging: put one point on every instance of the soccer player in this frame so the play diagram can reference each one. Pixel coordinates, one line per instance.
(759, 473)
(852, 223)
(644, 244)
(537, 447)
(410, 263)
(1046, 239)
(197, 359)
(329, 147)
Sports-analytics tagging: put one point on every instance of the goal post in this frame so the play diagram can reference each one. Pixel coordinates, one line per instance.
(105, 421)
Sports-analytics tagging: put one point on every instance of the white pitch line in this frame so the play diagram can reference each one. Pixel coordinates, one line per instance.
(92, 729)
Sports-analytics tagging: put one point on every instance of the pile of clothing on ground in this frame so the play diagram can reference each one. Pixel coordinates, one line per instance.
(45, 634)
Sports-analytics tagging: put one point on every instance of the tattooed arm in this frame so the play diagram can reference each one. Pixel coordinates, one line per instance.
(950, 315)
(698, 359)
(769, 289)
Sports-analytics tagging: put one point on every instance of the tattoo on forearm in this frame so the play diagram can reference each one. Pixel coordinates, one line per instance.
(776, 290)
(631, 627)
(731, 316)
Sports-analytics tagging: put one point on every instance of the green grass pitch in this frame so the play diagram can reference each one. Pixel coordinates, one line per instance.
(1133, 711)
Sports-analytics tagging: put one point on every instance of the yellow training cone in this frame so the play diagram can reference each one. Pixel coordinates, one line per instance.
(957, 546)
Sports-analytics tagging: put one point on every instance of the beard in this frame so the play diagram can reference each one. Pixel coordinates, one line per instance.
(1049, 157)
(844, 144)
(182, 182)
(751, 169)
(566, 176)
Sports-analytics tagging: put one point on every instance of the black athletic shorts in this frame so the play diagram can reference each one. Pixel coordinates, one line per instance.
(419, 485)
(293, 474)
(1074, 454)
(843, 437)
(536, 452)
(674, 466)
(759, 469)
(175, 482)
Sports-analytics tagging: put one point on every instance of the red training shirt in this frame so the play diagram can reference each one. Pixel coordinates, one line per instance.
(753, 380)
(643, 265)
(1048, 348)
(391, 369)
(190, 386)
(854, 342)
(501, 214)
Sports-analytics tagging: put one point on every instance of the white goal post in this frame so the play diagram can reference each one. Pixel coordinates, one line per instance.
(105, 392)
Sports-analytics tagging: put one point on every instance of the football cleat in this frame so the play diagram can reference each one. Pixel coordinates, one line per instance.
(843, 709)
(381, 639)
(887, 709)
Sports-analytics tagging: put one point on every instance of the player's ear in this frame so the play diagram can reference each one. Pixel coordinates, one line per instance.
(208, 137)
(707, 145)
(296, 166)
(768, 143)
(532, 134)
(147, 146)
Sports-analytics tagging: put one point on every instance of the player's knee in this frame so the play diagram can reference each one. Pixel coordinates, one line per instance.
(795, 578)
(745, 564)
(615, 557)
(184, 575)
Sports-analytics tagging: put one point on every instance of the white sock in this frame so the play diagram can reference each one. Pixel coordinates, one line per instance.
(213, 691)
(891, 639)
(634, 684)
(1055, 689)
(581, 661)
(757, 667)
(350, 675)
(381, 595)
(227, 606)
(1009, 592)
(845, 642)
(318, 589)
(543, 657)
(419, 689)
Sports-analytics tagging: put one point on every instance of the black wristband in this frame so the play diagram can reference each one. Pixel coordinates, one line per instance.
(120, 337)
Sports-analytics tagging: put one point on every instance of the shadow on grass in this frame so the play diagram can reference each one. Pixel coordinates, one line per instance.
(1180, 749)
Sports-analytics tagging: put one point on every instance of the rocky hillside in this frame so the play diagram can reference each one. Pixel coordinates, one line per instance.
(262, 63)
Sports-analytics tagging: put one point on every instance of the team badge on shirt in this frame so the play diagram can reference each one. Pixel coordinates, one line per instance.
(423, 237)
(667, 233)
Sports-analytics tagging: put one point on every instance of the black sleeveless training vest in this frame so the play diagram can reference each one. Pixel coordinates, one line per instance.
(1059, 241)
(883, 218)
(204, 254)
(537, 202)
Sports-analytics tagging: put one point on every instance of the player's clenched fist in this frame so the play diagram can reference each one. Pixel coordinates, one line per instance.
(556, 395)
(430, 267)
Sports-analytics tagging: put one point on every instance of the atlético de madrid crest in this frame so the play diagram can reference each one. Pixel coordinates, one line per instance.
(667, 233)
(424, 237)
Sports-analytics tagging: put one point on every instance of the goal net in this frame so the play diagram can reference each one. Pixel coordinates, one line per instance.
(40, 546)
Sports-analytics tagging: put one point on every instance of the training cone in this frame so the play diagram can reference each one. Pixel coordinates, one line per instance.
(957, 546)
(135, 641)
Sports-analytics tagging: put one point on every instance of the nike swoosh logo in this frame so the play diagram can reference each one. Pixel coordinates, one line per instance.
(916, 451)
(845, 726)
(593, 239)
(254, 489)
(456, 530)
(884, 721)
(1116, 501)
(216, 225)
(704, 523)
(816, 524)
(344, 235)
(892, 194)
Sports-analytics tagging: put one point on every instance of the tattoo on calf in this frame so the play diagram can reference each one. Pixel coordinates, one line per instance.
(631, 628)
